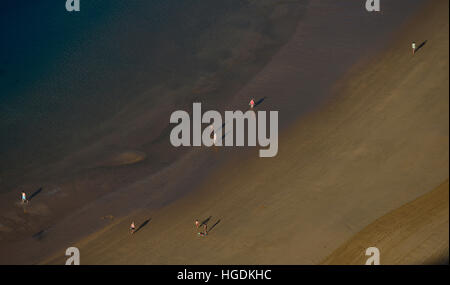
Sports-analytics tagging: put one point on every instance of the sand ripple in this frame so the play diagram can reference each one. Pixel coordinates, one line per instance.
(124, 158)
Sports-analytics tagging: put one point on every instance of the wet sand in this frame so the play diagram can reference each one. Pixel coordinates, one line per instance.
(379, 143)
(89, 165)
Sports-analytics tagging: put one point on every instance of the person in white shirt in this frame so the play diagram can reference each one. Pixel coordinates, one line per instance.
(132, 228)
(24, 198)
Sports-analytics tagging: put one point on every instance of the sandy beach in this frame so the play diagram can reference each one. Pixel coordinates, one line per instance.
(374, 151)
(363, 145)
(415, 233)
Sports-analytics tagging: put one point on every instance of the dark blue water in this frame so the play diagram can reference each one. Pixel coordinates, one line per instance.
(61, 70)
(46, 52)
(35, 35)
(63, 74)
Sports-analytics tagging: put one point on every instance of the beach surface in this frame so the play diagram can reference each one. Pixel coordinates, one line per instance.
(415, 233)
(371, 151)
(91, 148)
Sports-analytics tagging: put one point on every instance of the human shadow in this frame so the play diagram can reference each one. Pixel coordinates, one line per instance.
(259, 102)
(205, 222)
(143, 225)
(219, 129)
(213, 226)
(225, 134)
(39, 235)
(223, 137)
(35, 194)
(223, 125)
(421, 45)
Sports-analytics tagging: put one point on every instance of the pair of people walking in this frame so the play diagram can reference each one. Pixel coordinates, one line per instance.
(205, 228)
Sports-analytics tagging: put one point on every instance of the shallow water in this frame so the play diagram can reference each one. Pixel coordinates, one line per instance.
(63, 75)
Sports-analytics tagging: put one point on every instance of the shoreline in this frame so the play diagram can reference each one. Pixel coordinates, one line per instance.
(278, 77)
(84, 180)
(308, 193)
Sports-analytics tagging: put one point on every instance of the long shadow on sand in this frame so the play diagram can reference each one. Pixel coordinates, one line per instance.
(421, 45)
(213, 226)
(259, 102)
(39, 235)
(205, 222)
(35, 194)
(143, 225)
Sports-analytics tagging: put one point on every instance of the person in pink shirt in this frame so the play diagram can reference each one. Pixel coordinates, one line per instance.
(252, 103)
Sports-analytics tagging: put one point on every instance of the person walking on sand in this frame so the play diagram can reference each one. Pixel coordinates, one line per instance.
(215, 138)
(252, 103)
(197, 224)
(413, 45)
(214, 135)
(24, 198)
(132, 228)
(205, 231)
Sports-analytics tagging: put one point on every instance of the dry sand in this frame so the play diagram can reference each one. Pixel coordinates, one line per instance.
(379, 144)
(415, 233)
